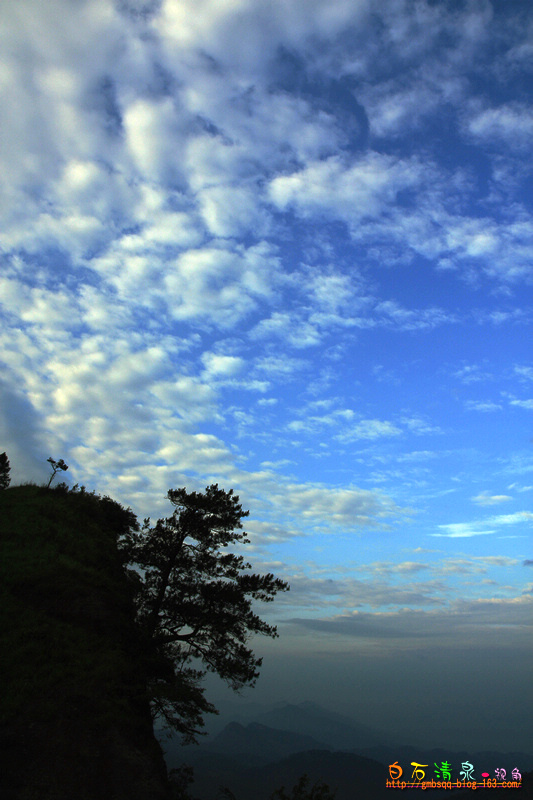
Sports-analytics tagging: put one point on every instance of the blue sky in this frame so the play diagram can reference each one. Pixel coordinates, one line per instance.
(286, 246)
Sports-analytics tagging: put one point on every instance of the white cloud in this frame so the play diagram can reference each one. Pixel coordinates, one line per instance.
(520, 488)
(347, 507)
(220, 366)
(155, 139)
(280, 366)
(487, 499)
(524, 372)
(218, 284)
(370, 429)
(486, 406)
(291, 328)
(419, 426)
(389, 312)
(351, 192)
(460, 530)
(333, 291)
(511, 519)
(244, 34)
(187, 396)
(512, 123)
(232, 211)
(262, 533)
(393, 111)
(522, 403)
(473, 373)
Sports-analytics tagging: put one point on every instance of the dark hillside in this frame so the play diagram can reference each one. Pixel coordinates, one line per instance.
(351, 776)
(74, 717)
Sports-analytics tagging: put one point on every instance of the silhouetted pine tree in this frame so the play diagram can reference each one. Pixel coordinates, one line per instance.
(4, 471)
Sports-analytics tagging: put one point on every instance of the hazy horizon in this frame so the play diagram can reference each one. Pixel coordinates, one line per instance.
(469, 712)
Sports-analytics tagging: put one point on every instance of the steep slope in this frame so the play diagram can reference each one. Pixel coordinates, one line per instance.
(74, 717)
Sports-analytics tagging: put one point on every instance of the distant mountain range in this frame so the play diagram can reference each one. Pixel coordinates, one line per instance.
(286, 741)
(259, 744)
(337, 731)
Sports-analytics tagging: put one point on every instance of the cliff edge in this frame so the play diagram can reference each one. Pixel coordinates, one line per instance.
(74, 716)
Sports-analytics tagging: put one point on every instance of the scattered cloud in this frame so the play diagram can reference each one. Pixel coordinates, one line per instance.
(486, 406)
(511, 123)
(459, 530)
(465, 622)
(522, 403)
(487, 499)
(524, 372)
